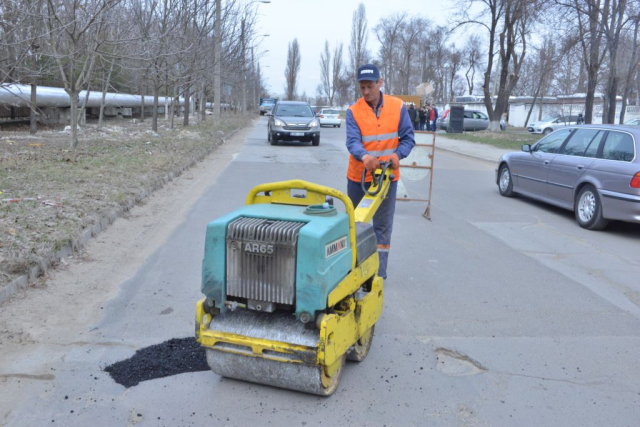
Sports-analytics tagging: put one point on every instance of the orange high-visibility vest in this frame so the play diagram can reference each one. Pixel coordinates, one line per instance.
(379, 134)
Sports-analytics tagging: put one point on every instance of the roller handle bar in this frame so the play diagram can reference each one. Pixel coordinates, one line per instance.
(375, 178)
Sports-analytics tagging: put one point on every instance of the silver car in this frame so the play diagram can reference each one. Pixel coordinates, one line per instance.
(293, 120)
(549, 124)
(593, 170)
(473, 121)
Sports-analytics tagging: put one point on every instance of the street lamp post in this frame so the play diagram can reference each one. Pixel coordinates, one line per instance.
(216, 69)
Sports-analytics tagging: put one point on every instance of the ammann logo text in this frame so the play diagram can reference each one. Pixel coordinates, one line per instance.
(335, 247)
(366, 72)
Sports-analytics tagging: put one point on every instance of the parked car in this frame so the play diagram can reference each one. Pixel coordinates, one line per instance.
(329, 117)
(593, 170)
(551, 123)
(473, 121)
(266, 107)
(634, 122)
(293, 121)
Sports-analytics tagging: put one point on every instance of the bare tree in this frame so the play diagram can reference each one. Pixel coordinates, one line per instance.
(409, 37)
(545, 60)
(358, 54)
(388, 32)
(455, 63)
(337, 73)
(633, 61)
(292, 69)
(507, 23)
(472, 60)
(325, 72)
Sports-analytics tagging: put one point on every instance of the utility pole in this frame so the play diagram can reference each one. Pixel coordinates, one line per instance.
(243, 69)
(217, 86)
(253, 80)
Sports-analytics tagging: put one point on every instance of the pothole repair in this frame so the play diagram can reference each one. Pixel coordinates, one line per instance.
(172, 357)
(457, 364)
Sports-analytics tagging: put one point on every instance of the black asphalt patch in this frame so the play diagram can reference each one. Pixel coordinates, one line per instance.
(172, 357)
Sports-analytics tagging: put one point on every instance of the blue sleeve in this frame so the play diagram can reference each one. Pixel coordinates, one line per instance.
(405, 134)
(354, 138)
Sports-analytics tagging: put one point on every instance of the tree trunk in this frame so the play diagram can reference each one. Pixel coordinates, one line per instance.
(611, 114)
(592, 80)
(143, 104)
(104, 96)
(187, 106)
(33, 121)
(74, 119)
(154, 120)
(533, 104)
(203, 104)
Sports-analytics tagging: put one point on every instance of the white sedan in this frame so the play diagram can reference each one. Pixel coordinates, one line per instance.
(329, 117)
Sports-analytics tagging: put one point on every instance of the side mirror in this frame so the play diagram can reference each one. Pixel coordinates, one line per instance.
(268, 114)
(526, 148)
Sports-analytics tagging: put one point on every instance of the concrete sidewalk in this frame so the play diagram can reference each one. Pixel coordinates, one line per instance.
(472, 149)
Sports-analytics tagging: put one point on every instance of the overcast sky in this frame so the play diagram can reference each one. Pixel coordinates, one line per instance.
(314, 21)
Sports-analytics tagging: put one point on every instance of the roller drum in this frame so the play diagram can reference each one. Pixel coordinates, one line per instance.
(282, 327)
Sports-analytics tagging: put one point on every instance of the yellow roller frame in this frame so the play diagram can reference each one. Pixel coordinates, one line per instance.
(338, 332)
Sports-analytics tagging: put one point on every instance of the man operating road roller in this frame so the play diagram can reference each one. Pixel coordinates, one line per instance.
(378, 129)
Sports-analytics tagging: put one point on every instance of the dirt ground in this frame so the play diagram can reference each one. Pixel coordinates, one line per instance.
(56, 310)
(50, 194)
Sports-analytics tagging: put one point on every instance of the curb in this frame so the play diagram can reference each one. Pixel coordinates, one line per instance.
(83, 237)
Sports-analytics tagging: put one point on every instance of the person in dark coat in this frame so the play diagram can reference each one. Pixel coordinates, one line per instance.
(413, 115)
(423, 118)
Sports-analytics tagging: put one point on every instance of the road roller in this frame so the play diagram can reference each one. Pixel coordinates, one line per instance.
(290, 285)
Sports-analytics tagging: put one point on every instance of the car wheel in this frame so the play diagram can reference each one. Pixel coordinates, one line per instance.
(588, 209)
(315, 141)
(505, 183)
(547, 131)
(273, 139)
(338, 125)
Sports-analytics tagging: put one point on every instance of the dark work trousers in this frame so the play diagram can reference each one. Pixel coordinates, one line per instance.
(423, 125)
(382, 220)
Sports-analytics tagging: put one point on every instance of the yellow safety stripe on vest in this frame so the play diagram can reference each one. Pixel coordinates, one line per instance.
(370, 138)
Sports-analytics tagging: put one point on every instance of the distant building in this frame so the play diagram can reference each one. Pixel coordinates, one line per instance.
(561, 105)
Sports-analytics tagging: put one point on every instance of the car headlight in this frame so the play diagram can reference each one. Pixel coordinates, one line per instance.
(313, 123)
(277, 122)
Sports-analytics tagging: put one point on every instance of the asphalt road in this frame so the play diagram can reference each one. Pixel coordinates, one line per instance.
(497, 312)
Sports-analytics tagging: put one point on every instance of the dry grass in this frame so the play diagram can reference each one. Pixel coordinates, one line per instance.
(513, 138)
(59, 193)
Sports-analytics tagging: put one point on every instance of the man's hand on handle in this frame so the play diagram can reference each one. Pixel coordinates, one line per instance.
(395, 161)
(370, 163)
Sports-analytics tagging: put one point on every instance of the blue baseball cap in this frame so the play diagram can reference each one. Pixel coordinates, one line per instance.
(368, 72)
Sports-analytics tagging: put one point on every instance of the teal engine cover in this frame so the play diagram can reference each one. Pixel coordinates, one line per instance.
(322, 255)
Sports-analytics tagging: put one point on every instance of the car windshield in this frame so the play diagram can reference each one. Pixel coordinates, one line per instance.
(294, 110)
(549, 118)
(329, 112)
